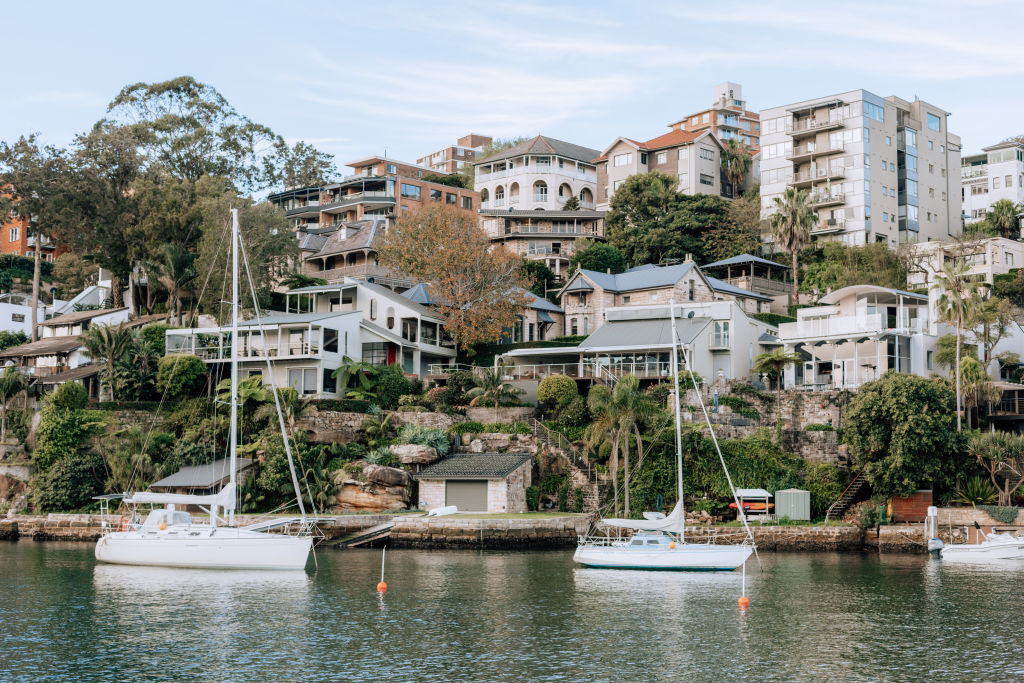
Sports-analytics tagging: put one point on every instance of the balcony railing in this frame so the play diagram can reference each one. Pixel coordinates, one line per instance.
(829, 225)
(217, 353)
(831, 326)
(589, 370)
(801, 152)
(567, 171)
(805, 126)
(818, 174)
(358, 198)
(827, 199)
(587, 205)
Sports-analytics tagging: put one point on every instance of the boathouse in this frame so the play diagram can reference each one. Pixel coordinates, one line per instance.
(477, 482)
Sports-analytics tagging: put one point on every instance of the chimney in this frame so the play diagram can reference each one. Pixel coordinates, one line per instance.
(688, 259)
(609, 270)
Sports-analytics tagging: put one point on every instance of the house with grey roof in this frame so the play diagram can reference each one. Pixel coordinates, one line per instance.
(350, 251)
(523, 192)
(477, 482)
(756, 274)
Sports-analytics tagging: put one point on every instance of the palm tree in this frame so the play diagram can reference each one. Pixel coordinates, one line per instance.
(252, 396)
(293, 407)
(774, 364)
(791, 227)
(12, 383)
(978, 387)
(175, 271)
(107, 344)
(736, 163)
(618, 414)
(957, 306)
(362, 371)
(491, 388)
(1002, 218)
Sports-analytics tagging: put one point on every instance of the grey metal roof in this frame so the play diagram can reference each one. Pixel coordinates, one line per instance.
(541, 304)
(383, 333)
(47, 346)
(720, 286)
(646, 334)
(639, 278)
(475, 466)
(546, 145)
(420, 294)
(745, 258)
(320, 288)
(202, 476)
(578, 285)
(81, 372)
(544, 317)
(398, 298)
(79, 316)
(310, 242)
(769, 339)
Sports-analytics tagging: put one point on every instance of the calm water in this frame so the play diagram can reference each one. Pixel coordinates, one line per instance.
(505, 617)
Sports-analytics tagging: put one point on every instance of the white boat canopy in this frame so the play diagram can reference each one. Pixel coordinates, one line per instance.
(753, 493)
(673, 522)
(224, 499)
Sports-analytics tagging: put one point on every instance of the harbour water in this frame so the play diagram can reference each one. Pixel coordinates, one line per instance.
(506, 616)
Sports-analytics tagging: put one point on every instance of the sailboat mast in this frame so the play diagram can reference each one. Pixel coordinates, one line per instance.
(679, 429)
(234, 361)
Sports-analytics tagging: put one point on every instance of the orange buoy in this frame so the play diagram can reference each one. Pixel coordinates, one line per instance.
(672, 545)
(743, 602)
(163, 526)
(382, 587)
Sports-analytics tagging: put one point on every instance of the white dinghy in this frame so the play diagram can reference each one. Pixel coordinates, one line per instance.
(993, 547)
(169, 538)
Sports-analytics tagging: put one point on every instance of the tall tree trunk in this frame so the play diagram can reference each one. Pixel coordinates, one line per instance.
(957, 370)
(132, 293)
(614, 466)
(116, 294)
(177, 309)
(35, 291)
(796, 281)
(3, 422)
(625, 465)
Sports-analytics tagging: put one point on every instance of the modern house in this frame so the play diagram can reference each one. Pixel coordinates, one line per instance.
(876, 169)
(451, 159)
(16, 312)
(997, 173)
(985, 258)
(78, 322)
(523, 190)
(727, 117)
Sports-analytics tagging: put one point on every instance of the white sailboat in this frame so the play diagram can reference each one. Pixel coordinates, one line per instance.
(169, 538)
(659, 541)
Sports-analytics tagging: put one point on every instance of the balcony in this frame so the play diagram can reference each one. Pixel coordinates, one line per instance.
(588, 369)
(548, 169)
(831, 326)
(719, 341)
(307, 210)
(806, 127)
(363, 271)
(804, 153)
(822, 199)
(829, 226)
(973, 173)
(588, 206)
(378, 197)
(564, 251)
(817, 175)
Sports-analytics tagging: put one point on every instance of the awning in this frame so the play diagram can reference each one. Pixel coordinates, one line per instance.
(544, 317)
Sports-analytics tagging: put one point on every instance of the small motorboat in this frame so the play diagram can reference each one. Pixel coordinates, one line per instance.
(993, 546)
(753, 507)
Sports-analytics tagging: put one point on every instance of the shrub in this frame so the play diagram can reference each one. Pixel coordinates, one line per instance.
(660, 392)
(10, 339)
(816, 427)
(61, 433)
(532, 498)
(1001, 513)
(563, 497)
(774, 319)
(341, 405)
(69, 483)
(381, 456)
(575, 414)
(454, 392)
(155, 335)
(435, 396)
(18, 422)
(557, 391)
(180, 375)
(825, 483)
(69, 396)
(577, 500)
(506, 428)
(744, 389)
(425, 436)
(712, 507)
(392, 384)
(466, 428)
(976, 491)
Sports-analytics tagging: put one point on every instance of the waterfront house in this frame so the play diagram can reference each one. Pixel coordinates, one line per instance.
(477, 482)
(984, 258)
(758, 275)
(350, 251)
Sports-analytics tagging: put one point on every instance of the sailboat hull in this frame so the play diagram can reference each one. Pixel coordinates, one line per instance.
(225, 549)
(683, 557)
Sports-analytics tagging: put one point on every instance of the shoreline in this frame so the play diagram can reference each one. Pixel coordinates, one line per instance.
(440, 533)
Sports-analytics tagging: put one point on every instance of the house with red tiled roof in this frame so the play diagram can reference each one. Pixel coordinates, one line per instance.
(695, 158)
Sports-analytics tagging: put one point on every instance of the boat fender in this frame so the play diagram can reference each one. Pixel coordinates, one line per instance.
(124, 525)
(163, 526)
(672, 545)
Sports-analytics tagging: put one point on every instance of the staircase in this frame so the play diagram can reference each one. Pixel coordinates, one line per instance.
(584, 476)
(837, 509)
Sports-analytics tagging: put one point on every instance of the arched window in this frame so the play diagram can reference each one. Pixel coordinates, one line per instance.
(499, 193)
(540, 191)
(391, 317)
(513, 193)
(484, 195)
(373, 309)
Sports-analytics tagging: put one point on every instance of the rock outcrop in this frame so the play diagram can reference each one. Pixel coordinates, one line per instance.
(389, 476)
(414, 454)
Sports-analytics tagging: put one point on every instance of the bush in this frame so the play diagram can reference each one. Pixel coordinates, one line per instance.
(126, 405)
(425, 436)
(180, 375)
(18, 422)
(570, 433)
(10, 339)
(61, 433)
(556, 391)
(660, 393)
(744, 389)
(739, 406)
(381, 456)
(155, 335)
(532, 498)
(774, 319)
(466, 428)
(69, 396)
(69, 483)
(815, 427)
(1001, 513)
(341, 405)
(577, 500)
(392, 384)
(506, 428)
(575, 414)
(825, 483)
(563, 497)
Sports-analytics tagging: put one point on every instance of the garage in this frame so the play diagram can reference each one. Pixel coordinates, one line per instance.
(466, 495)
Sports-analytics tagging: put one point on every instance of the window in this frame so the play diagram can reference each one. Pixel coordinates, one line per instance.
(375, 353)
(15, 234)
(623, 159)
(931, 192)
(662, 157)
(330, 382)
(885, 216)
(18, 317)
(574, 327)
(616, 184)
(411, 191)
(684, 153)
(1009, 181)
(933, 122)
(705, 118)
(690, 292)
(943, 196)
(706, 153)
(931, 168)
(391, 168)
(942, 148)
(888, 141)
(303, 380)
(995, 183)
(467, 202)
(435, 195)
(450, 198)
(695, 120)
(1008, 257)
(873, 111)
(930, 145)
(330, 340)
(643, 157)
(625, 299)
(373, 309)
(684, 180)
(928, 360)
(531, 326)
(706, 179)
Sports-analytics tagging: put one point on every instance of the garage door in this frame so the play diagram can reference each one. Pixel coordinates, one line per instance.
(466, 495)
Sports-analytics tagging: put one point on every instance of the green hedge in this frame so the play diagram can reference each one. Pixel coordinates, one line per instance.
(814, 427)
(342, 405)
(150, 406)
(775, 319)
(490, 428)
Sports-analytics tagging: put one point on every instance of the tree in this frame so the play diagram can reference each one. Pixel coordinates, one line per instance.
(791, 227)
(1001, 454)
(175, 272)
(180, 375)
(451, 180)
(491, 388)
(539, 279)
(72, 274)
(736, 163)
(830, 266)
(252, 395)
(993, 321)
(12, 383)
(901, 433)
(598, 256)
(557, 391)
(107, 344)
(33, 181)
(978, 387)
(741, 233)
(293, 407)
(299, 280)
(957, 305)
(618, 414)
(361, 371)
(302, 165)
(474, 286)
(571, 204)
(10, 339)
(774, 364)
(1002, 218)
(650, 221)
(945, 351)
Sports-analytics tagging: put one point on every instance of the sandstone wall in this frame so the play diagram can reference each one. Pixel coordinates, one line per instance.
(466, 532)
(431, 494)
(486, 415)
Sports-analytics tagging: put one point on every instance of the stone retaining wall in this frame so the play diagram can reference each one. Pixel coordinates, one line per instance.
(805, 538)
(968, 516)
(465, 532)
(506, 414)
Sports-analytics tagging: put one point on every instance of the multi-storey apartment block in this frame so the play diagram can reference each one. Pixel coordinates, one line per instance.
(523, 190)
(877, 169)
(379, 188)
(728, 118)
(452, 159)
(17, 237)
(997, 173)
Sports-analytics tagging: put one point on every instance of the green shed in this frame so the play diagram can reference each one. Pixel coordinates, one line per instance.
(793, 503)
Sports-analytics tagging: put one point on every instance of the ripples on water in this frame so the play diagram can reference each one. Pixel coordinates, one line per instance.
(505, 616)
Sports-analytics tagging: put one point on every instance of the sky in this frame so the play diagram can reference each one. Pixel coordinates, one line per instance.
(408, 78)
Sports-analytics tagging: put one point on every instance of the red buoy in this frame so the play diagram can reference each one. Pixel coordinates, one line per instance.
(743, 602)
(382, 587)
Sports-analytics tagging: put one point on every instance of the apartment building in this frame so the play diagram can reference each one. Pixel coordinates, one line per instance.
(877, 169)
(380, 188)
(451, 159)
(727, 117)
(984, 258)
(695, 158)
(523, 190)
(16, 237)
(997, 173)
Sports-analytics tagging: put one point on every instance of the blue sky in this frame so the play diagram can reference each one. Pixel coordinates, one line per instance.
(409, 77)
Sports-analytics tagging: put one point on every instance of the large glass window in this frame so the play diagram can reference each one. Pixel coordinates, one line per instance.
(375, 353)
(933, 122)
(623, 159)
(330, 340)
(303, 380)
(435, 195)
(411, 191)
(330, 382)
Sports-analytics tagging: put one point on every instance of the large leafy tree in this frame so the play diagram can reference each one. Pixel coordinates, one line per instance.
(791, 227)
(539, 278)
(598, 256)
(301, 165)
(650, 220)
(1001, 454)
(901, 433)
(736, 163)
(742, 233)
(475, 286)
(957, 305)
(994, 321)
(832, 265)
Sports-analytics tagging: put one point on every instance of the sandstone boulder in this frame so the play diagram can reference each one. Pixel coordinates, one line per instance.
(490, 443)
(389, 476)
(414, 454)
(370, 497)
